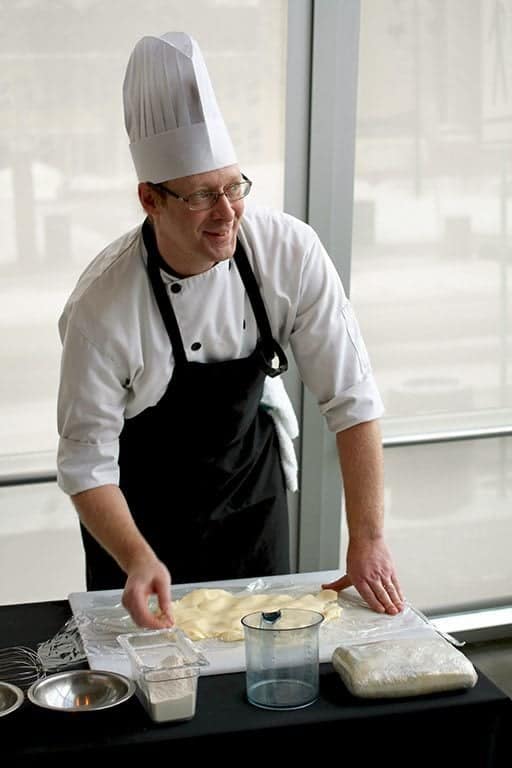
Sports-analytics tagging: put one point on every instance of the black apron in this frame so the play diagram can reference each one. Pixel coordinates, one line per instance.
(201, 469)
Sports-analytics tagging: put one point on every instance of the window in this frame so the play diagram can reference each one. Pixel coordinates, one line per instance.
(68, 186)
(432, 284)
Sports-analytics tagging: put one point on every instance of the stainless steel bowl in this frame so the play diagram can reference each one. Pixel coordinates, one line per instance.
(81, 690)
(11, 697)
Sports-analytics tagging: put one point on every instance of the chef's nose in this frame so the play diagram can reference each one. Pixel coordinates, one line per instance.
(223, 207)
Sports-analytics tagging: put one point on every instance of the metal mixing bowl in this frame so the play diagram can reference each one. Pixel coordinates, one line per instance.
(81, 690)
(11, 697)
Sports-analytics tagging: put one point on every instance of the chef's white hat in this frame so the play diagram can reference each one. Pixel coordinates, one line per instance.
(171, 113)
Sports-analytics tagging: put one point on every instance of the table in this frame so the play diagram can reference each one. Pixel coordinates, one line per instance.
(466, 728)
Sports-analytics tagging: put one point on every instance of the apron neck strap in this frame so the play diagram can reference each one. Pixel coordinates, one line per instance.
(164, 305)
(273, 359)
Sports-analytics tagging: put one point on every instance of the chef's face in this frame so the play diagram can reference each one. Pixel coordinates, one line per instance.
(194, 241)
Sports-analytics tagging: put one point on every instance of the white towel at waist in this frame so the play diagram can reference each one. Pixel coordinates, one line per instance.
(276, 401)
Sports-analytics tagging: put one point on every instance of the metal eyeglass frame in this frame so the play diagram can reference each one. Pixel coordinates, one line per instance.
(214, 196)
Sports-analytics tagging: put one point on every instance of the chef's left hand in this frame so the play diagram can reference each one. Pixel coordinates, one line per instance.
(371, 571)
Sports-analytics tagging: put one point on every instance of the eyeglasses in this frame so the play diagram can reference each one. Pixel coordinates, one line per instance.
(203, 199)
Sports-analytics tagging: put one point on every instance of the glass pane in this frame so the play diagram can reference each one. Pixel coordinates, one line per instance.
(450, 525)
(67, 183)
(41, 555)
(448, 522)
(432, 282)
(431, 272)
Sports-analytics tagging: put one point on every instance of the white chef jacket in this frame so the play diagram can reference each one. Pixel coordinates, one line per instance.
(117, 359)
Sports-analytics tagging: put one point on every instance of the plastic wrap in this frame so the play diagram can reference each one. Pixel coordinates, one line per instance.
(101, 617)
(411, 664)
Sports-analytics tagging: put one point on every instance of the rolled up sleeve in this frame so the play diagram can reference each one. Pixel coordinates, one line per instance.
(82, 466)
(329, 348)
(90, 414)
(362, 402)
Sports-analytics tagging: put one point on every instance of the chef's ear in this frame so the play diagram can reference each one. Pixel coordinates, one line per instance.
(151, 199)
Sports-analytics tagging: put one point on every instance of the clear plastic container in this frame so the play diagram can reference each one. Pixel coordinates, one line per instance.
(165, 667)
(281, 650)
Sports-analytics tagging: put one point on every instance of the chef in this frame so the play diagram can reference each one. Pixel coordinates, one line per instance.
(175, 428)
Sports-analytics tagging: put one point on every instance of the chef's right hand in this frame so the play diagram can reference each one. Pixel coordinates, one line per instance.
(145, 578)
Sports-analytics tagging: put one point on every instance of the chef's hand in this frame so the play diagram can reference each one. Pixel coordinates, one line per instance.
(145, 578)
(371, 571)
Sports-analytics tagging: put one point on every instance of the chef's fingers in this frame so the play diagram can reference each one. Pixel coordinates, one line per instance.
(136, 602)
(143, 616)
(342, 583)
(164, 601)
(392, 587)
(369, 597)
(383, 596)
(398, 589)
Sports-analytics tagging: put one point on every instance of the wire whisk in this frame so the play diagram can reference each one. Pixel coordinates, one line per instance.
(20, 666)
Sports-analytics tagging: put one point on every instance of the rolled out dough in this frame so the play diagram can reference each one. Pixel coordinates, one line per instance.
(216, 613)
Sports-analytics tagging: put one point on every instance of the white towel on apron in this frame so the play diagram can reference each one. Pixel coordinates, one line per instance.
(276, 401)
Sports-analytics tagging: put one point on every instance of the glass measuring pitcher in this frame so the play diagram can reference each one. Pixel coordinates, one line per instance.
(281, 652)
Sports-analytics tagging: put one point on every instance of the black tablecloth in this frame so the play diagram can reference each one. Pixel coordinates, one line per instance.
(466, 728)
